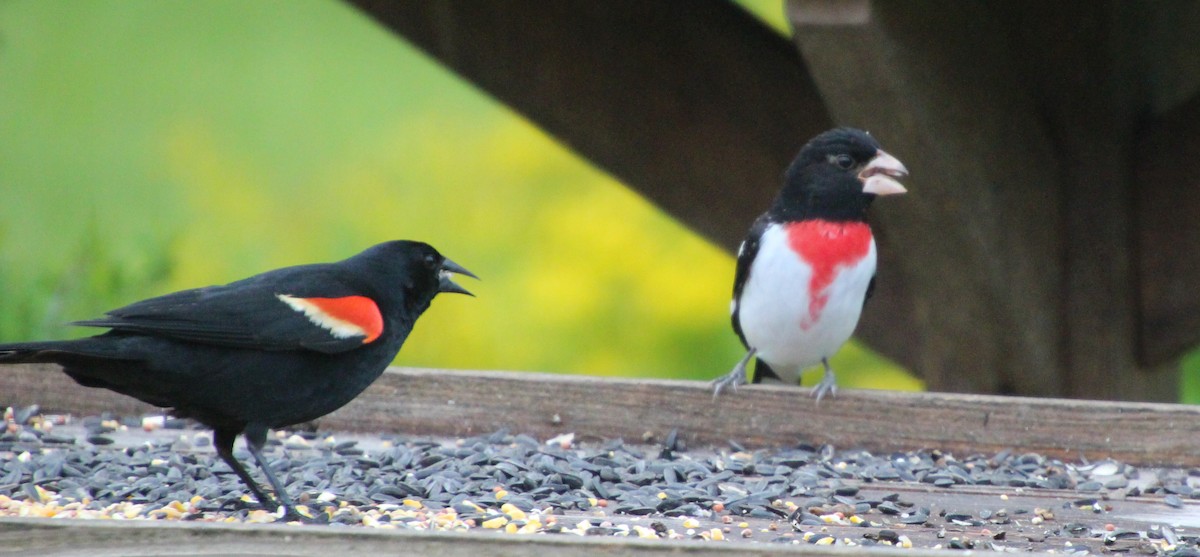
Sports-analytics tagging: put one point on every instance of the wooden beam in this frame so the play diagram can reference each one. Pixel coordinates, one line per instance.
(693, 102)
(1167, 52)
(994, 276)
(1088, 83)
(1167, 200)
(974, 247)
(157, 538)
(462, 403)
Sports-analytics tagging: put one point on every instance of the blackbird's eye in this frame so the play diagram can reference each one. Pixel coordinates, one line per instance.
(843, 161)
(430, 260)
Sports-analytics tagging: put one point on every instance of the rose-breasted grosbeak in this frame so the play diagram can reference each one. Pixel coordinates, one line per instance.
(807, 265)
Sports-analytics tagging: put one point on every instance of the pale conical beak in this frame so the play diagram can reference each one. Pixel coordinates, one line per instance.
(882, 174)
(447, 285)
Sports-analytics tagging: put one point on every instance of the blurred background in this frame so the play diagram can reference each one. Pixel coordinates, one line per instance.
(149, 147)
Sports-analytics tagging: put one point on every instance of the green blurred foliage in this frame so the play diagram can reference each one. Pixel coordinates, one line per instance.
(1190, 378)
(151, 146)
(770, 12)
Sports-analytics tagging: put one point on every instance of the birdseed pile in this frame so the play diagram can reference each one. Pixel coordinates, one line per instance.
(162, 469)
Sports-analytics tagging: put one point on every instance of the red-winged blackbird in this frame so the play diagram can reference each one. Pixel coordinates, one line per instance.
(276, 349)
(807, 265)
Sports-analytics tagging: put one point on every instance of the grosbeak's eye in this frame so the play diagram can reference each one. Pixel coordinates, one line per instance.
(843, 161)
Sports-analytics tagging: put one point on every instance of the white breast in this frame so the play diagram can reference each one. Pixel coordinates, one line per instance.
(774, 307)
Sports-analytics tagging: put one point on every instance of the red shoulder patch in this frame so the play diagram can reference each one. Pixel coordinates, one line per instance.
(826, 246)
(343, 317)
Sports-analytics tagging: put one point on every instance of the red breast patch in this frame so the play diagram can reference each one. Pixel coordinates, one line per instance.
(343, 317)
(826, 247)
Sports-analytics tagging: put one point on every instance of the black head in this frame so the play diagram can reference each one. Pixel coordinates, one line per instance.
(836, 176)
(408, 272)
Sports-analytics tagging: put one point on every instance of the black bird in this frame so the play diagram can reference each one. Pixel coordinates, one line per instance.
(276, 349)
(807, 265)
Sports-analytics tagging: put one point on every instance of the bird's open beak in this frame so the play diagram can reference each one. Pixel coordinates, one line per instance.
(882, 174)
(447, 285)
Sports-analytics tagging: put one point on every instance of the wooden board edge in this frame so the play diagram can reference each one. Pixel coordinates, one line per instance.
(136, 538)
(463, 403)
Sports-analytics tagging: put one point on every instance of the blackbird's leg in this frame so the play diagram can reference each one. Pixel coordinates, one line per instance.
(223, 440)
(256, 438)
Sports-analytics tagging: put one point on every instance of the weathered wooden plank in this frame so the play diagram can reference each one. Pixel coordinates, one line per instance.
(456, 403)
(93, 538)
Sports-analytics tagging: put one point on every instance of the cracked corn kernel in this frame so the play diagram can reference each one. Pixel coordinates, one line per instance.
(494, 523)
(644, 532)
(531, 527)
(512, 511)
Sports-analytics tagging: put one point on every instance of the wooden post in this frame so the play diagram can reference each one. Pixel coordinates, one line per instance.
(694, 102)
(975, 245)
(1024, 261)
(1167, 201)
(1088, 80)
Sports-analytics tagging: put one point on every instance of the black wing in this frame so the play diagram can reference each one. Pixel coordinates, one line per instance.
(746, 254)
(246, 314)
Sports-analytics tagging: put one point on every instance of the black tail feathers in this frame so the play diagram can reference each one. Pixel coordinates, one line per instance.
(28, 352)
